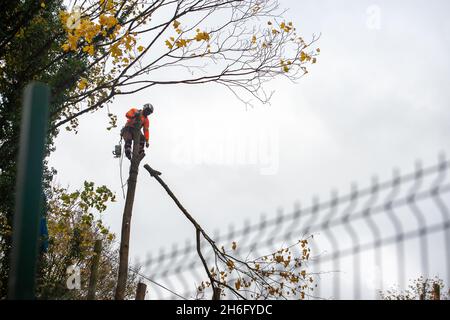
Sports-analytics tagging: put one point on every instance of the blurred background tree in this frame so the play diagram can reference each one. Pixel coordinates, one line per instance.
(419, 289)
(74, 223)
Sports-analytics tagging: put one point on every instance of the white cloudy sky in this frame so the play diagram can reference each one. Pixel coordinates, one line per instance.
(376, 99)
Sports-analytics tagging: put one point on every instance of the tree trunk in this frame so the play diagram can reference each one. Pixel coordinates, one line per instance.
(436, 291)
(94, 270)
(141, 290)
(126, 221)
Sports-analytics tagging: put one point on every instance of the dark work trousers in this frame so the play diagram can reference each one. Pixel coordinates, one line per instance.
(127, 135)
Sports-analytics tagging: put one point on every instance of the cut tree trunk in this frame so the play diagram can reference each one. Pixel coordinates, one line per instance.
(126, 221)
(141, 290)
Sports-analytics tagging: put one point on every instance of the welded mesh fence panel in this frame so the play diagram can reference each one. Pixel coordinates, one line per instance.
(365, 240)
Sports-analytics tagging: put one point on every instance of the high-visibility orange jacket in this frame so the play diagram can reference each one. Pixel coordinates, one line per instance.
(132, 116)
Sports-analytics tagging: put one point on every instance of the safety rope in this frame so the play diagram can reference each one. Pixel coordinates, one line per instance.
(137, 272)
(122, 185)
(158, 284)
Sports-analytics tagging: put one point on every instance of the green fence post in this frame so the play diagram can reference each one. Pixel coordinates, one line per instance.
(28, 204)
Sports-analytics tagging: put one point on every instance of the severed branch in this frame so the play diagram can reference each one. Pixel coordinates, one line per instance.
(277, 275)
(156, 174)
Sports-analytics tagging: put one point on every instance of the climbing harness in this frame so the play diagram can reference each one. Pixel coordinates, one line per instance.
(136, 123)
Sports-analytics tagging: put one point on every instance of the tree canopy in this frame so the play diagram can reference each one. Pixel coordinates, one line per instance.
(132, 45)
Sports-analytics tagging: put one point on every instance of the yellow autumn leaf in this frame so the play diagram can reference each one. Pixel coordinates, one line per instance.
(237, 284)
(140, 48)
(116, 52)
(230, 264)
(254, 39)
(82, 84)
(65, 47)
(169, 44)
(176, 24)
(198, 37)
(303, 56)
(202, 36)
(108, 20)
(181, 43)
(89, 49)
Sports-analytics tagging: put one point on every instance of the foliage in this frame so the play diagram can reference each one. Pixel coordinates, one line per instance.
(418, 289)
(74, 223)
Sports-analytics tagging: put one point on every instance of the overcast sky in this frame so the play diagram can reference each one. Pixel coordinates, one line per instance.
(378, 98)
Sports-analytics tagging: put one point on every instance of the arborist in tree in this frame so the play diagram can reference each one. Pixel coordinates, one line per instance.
(137, 119)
